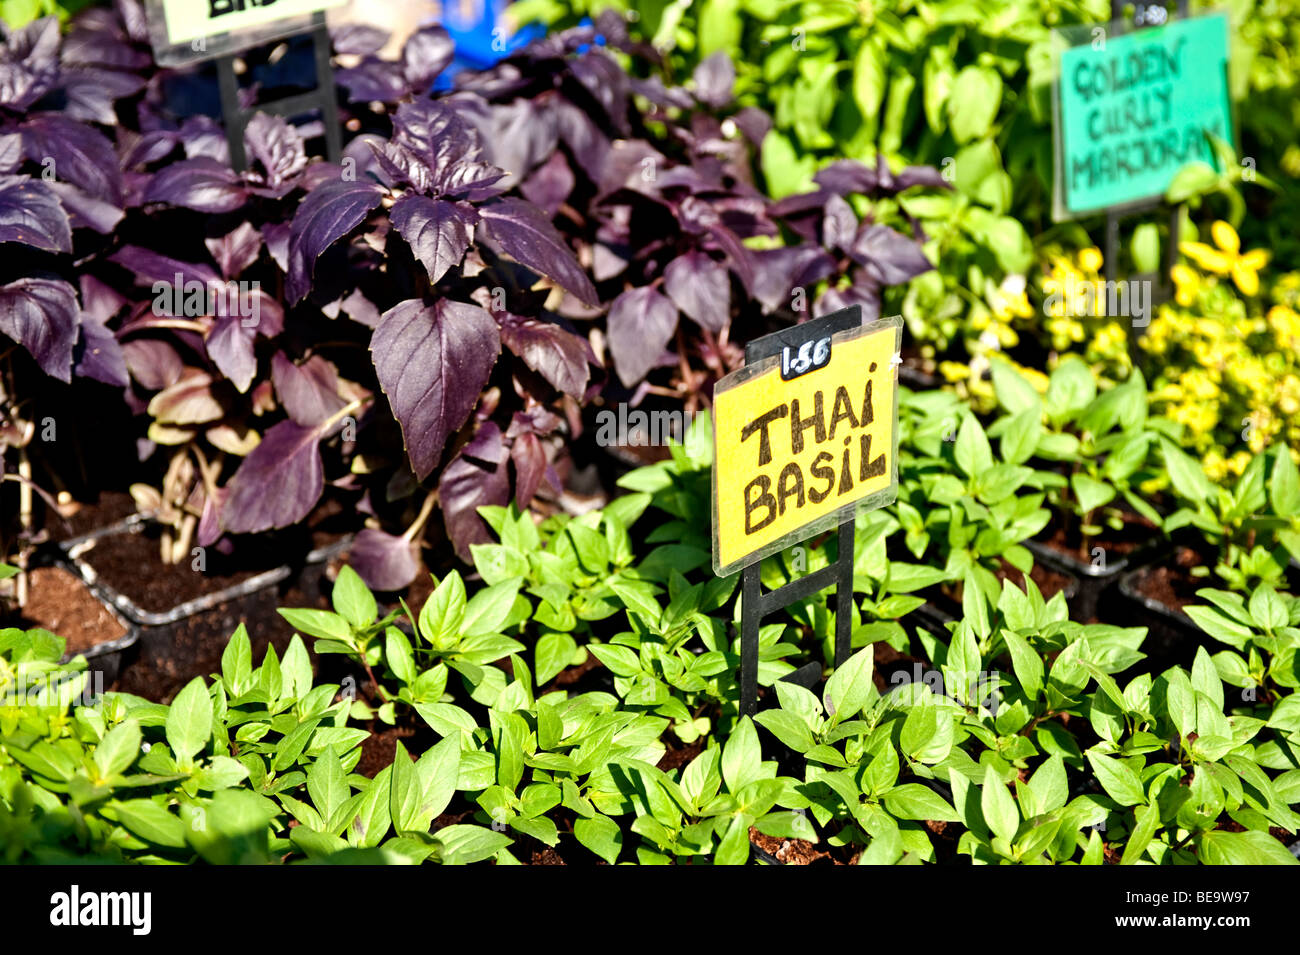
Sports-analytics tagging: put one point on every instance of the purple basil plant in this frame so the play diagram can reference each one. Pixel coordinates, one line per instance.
(423, 323)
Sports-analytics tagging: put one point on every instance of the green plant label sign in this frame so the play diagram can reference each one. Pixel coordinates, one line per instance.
(1134, 109)
(190, 19)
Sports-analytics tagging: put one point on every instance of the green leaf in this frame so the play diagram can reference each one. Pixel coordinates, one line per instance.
(118, 749)
(620, 660)
(237, 662)
(1148, 821)
(1145, 248)
(1026, 663)
(1243, 848)
(1120, 782)
(914, 801)
(741, 756)
(489, 609)
(788, 728)
(326, 784)
(554, 652)
(464, 844)
(320, 624)
(850, 686)
(1050, 788)
(998, 807)
(442, 613)
(601, 835)
(189, 720)
(353, 600)
(973, 103)
(972, 451)
(1194, 179)
(1090, 493)
(149, 821)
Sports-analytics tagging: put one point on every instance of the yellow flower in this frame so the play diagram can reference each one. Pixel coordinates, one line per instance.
(953, 371)
(1228, 258)
(1090, 260)
(1186, 284)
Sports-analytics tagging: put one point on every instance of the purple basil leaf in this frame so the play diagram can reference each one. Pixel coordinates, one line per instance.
(42, 316)
(230, 346)
(550, 184)
(327, 214)
(371, 81)
(530, 466)
(427, 53)
(385, 562)
(654, 90)
(437, 231)
(278, 483)
(146, 148)
(99, 356)
(839, 225)
(30, 213)
(11, 152)
(607, 82)
(641, 323)
(845, 176)
(467, 484)
(309, 392)
(432, 363)
(714, 79)
(236, 250)
(522, 134)
(85, 211)
(209, 530)
(358, 38)
(201, 184)
(526, 235)
(890, 257)
(132, 16)
(29, 63)
(557, 355)
(778, 271)
(91, 93)
(920, 176)
(150, 268)
(80, 155)
(754, 123)
(99, 302)
(585, 139)
(864, 293)
(152, 362)
(276, 146)
(699, 287)
(204, 136)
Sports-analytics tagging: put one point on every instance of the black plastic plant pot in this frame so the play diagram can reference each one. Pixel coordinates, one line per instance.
(106, 660)
(175, 644)
(1096, 583)
(1172, 637)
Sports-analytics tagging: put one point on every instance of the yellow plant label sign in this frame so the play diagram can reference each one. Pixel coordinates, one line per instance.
(795, 453)
(190, 19)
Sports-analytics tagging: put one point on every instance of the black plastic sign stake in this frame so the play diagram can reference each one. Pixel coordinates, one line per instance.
(805, 435)
(321, 98)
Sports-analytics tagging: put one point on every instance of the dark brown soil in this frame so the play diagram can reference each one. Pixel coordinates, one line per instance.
(1048, 581)
(131, 564)
(678, 757)
(111, 507)
(1173, 584)
(60, 602)
(167, 658)
(1136, 532)
(792, 851)
(379, 749)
